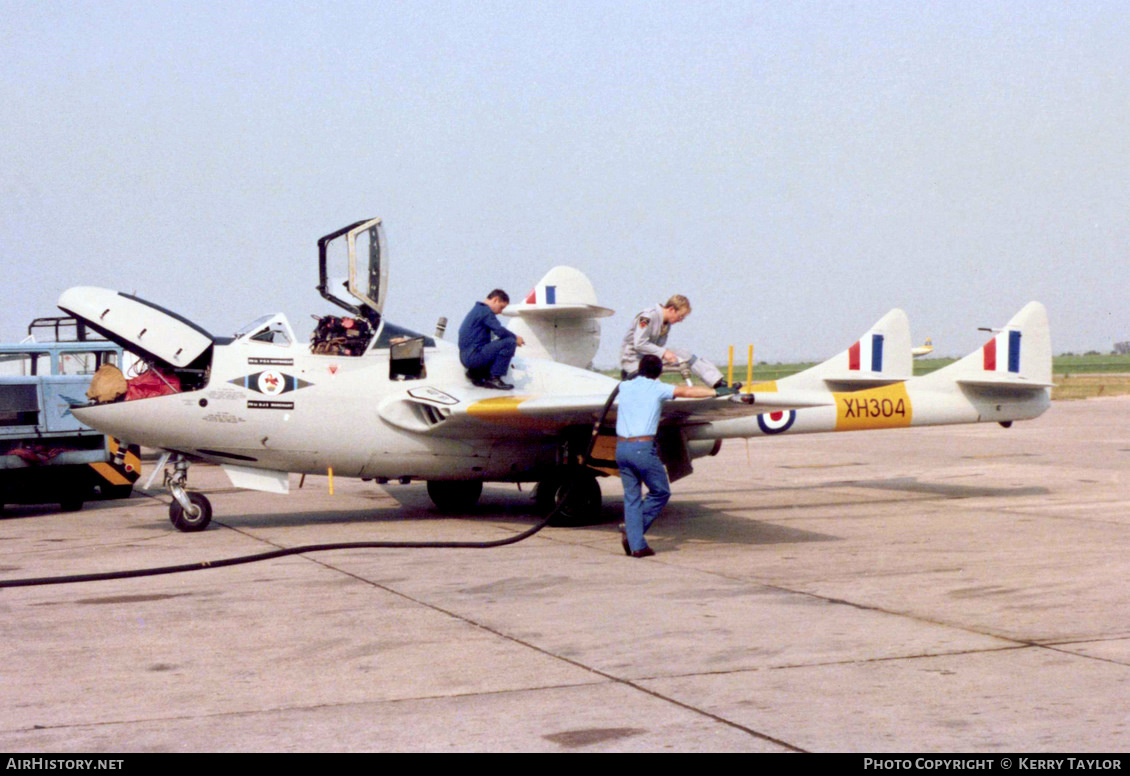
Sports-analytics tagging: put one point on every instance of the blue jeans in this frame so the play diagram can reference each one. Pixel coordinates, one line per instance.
(640, 465)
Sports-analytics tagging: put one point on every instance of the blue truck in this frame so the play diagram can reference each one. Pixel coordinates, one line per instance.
(46, 455)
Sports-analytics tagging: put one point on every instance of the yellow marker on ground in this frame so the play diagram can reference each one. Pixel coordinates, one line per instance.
(749, 367)
(730, 368)
(330, 472)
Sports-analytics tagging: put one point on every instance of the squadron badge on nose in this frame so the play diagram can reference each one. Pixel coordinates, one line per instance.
(270, 382)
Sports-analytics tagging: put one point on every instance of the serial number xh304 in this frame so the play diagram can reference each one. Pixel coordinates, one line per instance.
(369, 399)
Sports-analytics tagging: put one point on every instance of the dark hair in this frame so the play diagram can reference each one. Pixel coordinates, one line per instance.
(498, 293)
(651, 366)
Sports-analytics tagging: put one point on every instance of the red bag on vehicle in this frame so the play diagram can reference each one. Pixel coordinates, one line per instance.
(152, 382)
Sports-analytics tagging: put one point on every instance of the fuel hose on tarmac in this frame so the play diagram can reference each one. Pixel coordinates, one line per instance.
(215, 564)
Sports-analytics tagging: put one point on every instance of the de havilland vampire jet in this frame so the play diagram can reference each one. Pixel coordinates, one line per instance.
(369, 399)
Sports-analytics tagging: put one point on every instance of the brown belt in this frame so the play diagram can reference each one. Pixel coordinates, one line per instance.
(636, 439)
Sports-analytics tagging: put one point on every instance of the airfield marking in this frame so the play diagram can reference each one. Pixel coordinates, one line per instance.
(1011, 642)
(528, 645)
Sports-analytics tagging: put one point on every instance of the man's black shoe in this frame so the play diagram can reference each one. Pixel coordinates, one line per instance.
(498, 384)
(646, 552)
(624, 540)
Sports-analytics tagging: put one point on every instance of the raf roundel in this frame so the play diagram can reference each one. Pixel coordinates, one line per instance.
(776, 422)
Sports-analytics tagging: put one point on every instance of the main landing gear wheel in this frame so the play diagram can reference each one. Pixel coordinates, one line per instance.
(117, 491)
(455, 495)
(576, 498)
(194, 519)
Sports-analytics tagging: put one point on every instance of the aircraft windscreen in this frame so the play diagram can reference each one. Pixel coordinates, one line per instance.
(255, 324)
(268, 328)
(391, 334)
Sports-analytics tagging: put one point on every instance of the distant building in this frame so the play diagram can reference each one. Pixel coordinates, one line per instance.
(1122, 348)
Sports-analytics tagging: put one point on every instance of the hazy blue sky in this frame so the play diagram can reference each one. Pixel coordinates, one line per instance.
(795, 168)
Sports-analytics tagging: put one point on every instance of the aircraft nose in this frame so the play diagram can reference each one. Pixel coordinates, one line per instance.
(94, 415)
(84, 412)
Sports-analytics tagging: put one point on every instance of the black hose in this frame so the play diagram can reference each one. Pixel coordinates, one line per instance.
(213, 564)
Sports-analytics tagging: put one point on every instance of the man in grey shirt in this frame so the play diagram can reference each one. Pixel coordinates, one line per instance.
(648, 336)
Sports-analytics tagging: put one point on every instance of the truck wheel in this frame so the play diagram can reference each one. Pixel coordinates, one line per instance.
(116, 491)
(70, 505)
(190, 523)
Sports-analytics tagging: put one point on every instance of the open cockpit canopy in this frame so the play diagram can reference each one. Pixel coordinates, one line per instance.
(361, 247)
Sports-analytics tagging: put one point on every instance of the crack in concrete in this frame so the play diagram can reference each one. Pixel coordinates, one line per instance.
(541, 650)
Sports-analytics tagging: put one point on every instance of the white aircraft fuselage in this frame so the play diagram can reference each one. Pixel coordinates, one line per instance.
(368, 399)
(281, 407)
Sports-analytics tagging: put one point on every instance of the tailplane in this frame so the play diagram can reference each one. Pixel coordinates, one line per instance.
(558, 318)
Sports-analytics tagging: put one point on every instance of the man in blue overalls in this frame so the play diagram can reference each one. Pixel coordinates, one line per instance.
(486, 360)
(637, 421)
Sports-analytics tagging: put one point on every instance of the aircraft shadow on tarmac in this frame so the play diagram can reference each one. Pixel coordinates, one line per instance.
(684, 519)
(698, 516)
(396, 504)
(18, 511)
(689, 520)
(947, 490)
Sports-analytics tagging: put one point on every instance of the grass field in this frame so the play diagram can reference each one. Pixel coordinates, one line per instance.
(1076, 377)
(1084, 386)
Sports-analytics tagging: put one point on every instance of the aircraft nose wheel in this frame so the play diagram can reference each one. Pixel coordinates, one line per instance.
(189, 511)
(196, 518)
(576, 497)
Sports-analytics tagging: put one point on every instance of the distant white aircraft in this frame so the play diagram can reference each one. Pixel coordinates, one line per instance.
(924, 349)
(370, 399)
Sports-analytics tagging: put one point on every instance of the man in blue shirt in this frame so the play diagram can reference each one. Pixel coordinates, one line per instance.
(487, 360)
(637, 421)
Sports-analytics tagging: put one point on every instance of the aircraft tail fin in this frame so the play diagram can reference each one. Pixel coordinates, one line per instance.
(880, 357)
(558, 318)
(564, 292)
(1017, 358)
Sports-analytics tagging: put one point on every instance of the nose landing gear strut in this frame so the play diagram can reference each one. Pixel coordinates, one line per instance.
(189, 511)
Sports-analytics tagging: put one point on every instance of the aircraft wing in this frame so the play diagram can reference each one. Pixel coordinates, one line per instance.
(684, 411)
(454, 413)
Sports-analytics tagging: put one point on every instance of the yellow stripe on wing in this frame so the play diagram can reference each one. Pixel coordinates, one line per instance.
(505, 410)
(502, 408)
